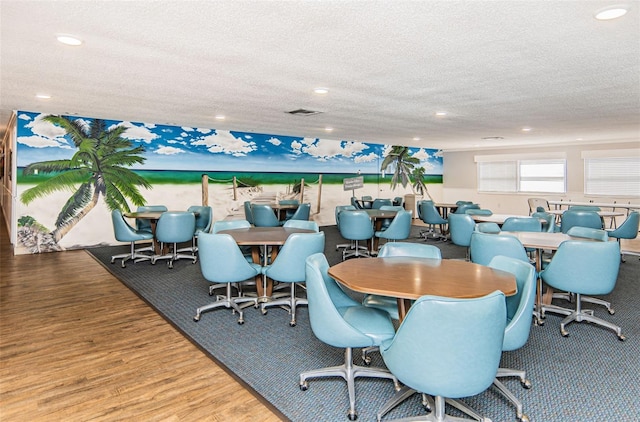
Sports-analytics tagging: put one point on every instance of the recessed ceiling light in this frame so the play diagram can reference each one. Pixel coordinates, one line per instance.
(43, 96)
(69, 39)
(611, 12)
(321, 90)
(441, 113)
(526, 129)
(328, 129)
(416, 138)
(220, 117)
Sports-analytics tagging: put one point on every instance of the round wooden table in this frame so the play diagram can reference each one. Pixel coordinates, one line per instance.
(407, 278)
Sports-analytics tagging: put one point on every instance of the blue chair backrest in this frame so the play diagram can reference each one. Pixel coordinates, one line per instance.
(588, 233)
(629, 228)
(222, 261)
(586, 267)
(327, 303)
(580, 218)
(418, 250)
(289, 265)
(398, 201)
(302, 224)
(478, 211)
(469, 334)
(400, 226)
(462, 209)
(460, 227)
(176, 226)
(263, 216)
(302, 213)
(484, 247)
(122, 231)
(520, 305)
(340, 208)
(221, 225)
(549, 224)
(430, 214)
(378, 202)
(355, 225)
(354, 203)
(522, 224)
(248, 215)
(487, 227)
(204, 219)
(584, 208)
(143, 223)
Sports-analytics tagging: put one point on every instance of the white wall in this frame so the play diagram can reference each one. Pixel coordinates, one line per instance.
(460, 178)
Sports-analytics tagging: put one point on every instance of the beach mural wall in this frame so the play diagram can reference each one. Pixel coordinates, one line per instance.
(72, 171)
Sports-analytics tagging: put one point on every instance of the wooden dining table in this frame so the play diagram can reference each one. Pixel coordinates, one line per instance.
(261, 238)
(408, 278)
(153, 217)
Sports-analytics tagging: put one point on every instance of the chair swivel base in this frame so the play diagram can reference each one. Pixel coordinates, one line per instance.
(134, 255)
(235, 303)
(579, 315)
(174, 256)
(570, 298)
(290, 303)
(436, 409)
(349, 372)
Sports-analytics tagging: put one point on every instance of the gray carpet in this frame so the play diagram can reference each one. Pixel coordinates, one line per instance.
(589, 376)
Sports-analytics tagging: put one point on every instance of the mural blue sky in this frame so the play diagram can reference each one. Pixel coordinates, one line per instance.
(185, 148)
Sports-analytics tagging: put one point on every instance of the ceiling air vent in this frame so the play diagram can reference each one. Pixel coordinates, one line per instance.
(303, 112)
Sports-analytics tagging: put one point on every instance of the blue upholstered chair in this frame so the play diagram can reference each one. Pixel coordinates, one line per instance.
(580, 218)
(462, 208)
(302, 224)
(221, 261)
(289, 267)
(522, 224)
(379, 202)
(548, 225)
(583, 268)
(339, 321)
(519, 310)
(399, 228)
(144, 223)
(302, 213)
(627, 230)
(487, 227)
(387, 221)
(416, 250)
(289, 213)
(397, 201)
(248, 215)
(355, 226)
(263, 216)
(485, 246)
(337, 211)
(461, 226)
(125, 233)
(204, 220)
(221, 225)
(461, 328)
(432, 218)
(354, 203)
(584, 208)
(175, 227)
(478, 211)
(588, 233)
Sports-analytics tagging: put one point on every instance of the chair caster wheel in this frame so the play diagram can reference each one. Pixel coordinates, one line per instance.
(523, 418)
(564, 333)
(525, 384)
(621, 337)
(264, 312)
(366, 360)
(352, 416)
(292, 324)
(611, 311)
(196, 318)
(304, 386)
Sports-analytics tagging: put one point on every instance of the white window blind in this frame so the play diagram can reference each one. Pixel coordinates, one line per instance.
(612, 176)
(534, 173)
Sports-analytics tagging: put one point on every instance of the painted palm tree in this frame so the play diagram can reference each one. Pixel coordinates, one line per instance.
(402, 163)
(98, 168)
(418, 182)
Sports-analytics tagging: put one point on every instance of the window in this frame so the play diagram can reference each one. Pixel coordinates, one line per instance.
(533, 173)
(612, 172)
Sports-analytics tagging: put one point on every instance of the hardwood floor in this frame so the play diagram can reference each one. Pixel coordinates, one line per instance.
(77, 345)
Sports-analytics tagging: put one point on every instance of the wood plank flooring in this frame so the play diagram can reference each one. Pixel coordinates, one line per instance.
(77, 345)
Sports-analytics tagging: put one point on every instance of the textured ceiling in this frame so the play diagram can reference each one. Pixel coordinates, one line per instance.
(493, 66)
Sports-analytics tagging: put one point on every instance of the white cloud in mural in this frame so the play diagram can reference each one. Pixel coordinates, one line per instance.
(324, 149)
(42, 142)
(44, 129)
(224, 142)
(421, 154)
(138, 133)
(168, 151)
(150, 125)
(438, 154)
(171, 141)
(274, 141)
(204, 131)
(187, 129)
(23, 116)
(366, 158)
